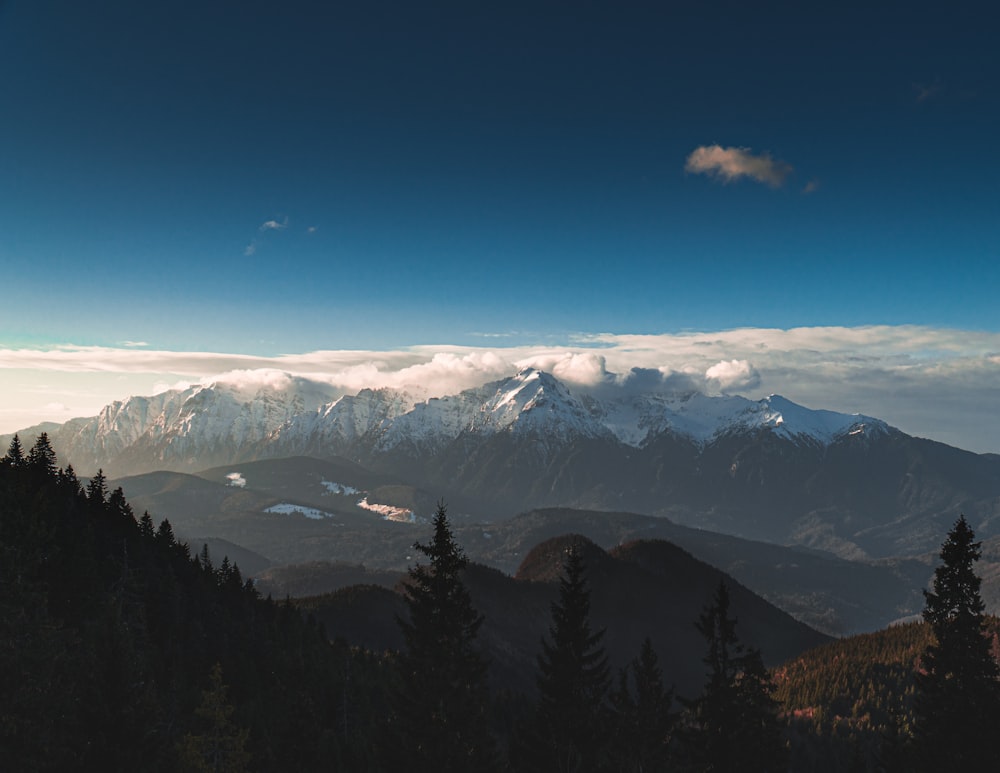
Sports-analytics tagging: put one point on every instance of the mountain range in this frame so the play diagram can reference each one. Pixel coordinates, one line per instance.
(764, 469)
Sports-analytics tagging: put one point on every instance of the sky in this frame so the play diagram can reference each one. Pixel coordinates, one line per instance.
(802, 197)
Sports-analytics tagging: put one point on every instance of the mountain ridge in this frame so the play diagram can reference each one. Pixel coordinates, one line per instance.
(767, 469)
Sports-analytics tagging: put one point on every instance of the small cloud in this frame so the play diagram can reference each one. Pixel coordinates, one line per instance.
(508, 334)
(267, 225)
(134, 344)
(928, 91)
(274, 225)
(811, 187)
(311, 229)
(236, 480)
(733, 163)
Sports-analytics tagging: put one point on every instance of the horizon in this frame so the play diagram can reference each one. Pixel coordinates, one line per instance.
(796, 201)
(890, 373)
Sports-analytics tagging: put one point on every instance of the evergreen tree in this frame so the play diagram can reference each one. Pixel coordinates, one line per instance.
(42, 457)
(440, 717)
(570, 731)
(221, 747)
(15, 453)
(146, 528)
(645, 722)
(734, 724)
(97, 489)
(957, 704)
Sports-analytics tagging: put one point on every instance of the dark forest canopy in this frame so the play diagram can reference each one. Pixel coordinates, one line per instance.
(121, 651)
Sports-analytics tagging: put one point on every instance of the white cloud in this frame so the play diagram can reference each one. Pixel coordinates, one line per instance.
(274, 225)
(267, 225)
(733, 375)
(937, 383)
(733, 163)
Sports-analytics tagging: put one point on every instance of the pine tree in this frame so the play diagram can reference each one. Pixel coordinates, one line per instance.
(15, 453)
(97, 489)
(957, 704)
(734, 724)
(570, 731)
(644, 720)
(440, 718)
(221, 746)
(42, 457)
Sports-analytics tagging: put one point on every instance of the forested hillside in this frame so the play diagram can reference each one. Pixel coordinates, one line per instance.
(121, 651)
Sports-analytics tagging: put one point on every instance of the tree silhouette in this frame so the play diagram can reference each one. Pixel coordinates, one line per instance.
(42, 457)
(958, 699)
(15, 453)
(572, 718)
(644, 720)
(221, 746)
(440, 718)
(734, 724)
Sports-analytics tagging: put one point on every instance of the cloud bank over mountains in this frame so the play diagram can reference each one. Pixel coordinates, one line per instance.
(936, 383)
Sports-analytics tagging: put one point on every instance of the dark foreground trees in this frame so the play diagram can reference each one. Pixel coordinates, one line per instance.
(440, 718)
(958, 697)
(571, 727)
(645, 724)
(108, 630)
(734, 724)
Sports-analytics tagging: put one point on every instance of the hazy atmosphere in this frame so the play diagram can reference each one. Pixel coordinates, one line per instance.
(750, 200)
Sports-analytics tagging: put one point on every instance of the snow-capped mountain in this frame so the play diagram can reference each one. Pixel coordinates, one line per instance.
(764, 468)
(230, 422)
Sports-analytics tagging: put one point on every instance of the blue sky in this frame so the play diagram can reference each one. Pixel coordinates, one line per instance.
(263, 179)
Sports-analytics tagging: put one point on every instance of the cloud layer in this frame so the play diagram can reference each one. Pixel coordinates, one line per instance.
(936, 383)
(731, 164)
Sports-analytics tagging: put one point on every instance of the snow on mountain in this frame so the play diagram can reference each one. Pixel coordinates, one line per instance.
(230, 421)
(536, 402)
(234, 415)
(791, 420)
(703, 419)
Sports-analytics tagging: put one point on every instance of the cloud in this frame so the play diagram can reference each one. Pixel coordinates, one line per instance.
(931, 382)
(274, 225)
(733, 375)
(811, 187)
(731, 164)
(267, 225)
(312, 229)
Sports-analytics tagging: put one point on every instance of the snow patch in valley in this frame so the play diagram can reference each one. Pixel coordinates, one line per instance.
(339, 488)
(236, 480)
(389, 512)
(309, 512)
